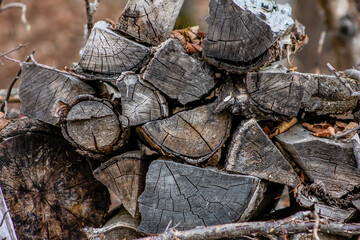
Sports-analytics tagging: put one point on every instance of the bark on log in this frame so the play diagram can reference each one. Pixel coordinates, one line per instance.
(189, 196)
(49, 189)
(140, 103)
(7, 230)
(41, 89)
(149, 21)
(178, 75)
(109, 53)
(333, 213)
(193, 135)
(329, 161)
(252, 153)
(124, 175)
(243, 36)
(93, 126)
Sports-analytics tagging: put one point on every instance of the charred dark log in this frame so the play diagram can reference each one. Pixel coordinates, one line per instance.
(124, 175)
(193, 135)
(149, 21)
(140, 103)
(178, 75)
(186, 196)
(49, 189)
(41, 89)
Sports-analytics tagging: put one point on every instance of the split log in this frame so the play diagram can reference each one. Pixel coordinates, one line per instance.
(252, 153)
(140, 103)
(244, 36)
(120, 226)
(193, 135)
(149, 21)
(124, 175)
(49, 189)
(41, 89)
(334, 213)
(109, 53)
(187, 196)
(7, 230)
(329, 161)
(178, 75)
(93, 126)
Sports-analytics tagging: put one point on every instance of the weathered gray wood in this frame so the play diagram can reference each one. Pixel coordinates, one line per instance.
(252, 153)
(189, 196)
(41, 89)
(178, 75)
(334, 213)
(193, 135)
(277, 91)
(48, 188)
(7, 230)
(140, 103)
(109, 53)
(93, 125)
(322, 236)
(149, 21)
(124, 175)
(326, 160)
(241, 33)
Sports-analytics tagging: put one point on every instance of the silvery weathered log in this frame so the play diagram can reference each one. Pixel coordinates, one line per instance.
(245, 35)
(186, 196)
(7, 229)
(108, 53)
(124, 175)
(252, 153)
(149, 21)
(178, 75)
(193, 135)
(140, 103)
(329, 161)
(48, 187)
(41, 89)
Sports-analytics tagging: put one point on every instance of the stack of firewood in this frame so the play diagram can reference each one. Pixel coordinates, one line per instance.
(176, 128)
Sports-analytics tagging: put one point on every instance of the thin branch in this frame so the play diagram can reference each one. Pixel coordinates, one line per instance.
(13, 50)
(91, 8)
(22, 6)
(343, 81)
(319, 50)
(337, 136)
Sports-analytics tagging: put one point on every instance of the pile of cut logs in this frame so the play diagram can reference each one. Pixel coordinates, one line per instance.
(174, 128)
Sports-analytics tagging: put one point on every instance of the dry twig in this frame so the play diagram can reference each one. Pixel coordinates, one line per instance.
(91, 8)
(22, 6)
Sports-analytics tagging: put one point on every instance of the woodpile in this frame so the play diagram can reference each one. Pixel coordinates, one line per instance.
(186, 132)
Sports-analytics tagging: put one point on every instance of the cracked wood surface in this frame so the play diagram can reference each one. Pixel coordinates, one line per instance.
(109, 53)
(329, 161)
(178, 75)
(41, 89)
(124, 175)
(149, 21)
(193, 135)
(140, 103)
(252, 153)
(190, 196)
(49, 189)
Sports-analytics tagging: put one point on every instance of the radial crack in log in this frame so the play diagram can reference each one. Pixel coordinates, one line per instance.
(326, 160)
(41, 89)
(109, 53)
(245, 35)
(124, 175)
(193, 135)
(187, 196)
(149, 21)
(49, 189)
(177, 74)
(252, 153)
(140, 103)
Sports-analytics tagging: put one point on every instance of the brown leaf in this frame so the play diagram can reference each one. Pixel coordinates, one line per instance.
(328, 132)
(3, 121)
(190, 48)
(340, 124)
(349, 127)
(284, 126)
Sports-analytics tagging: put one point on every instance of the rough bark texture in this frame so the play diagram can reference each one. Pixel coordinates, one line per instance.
(140, 103)
(49, 189)
(191, 196)
(109, 53)
(149, 21)
(193, 135)
(178, 75)
(41, 89)
(124, 175)
(252, 153)
(326, 160)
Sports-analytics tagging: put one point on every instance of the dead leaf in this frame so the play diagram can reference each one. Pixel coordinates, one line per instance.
(320, 129)
(349, 127)
(3, 121)
(284, 126)
(328, 132)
